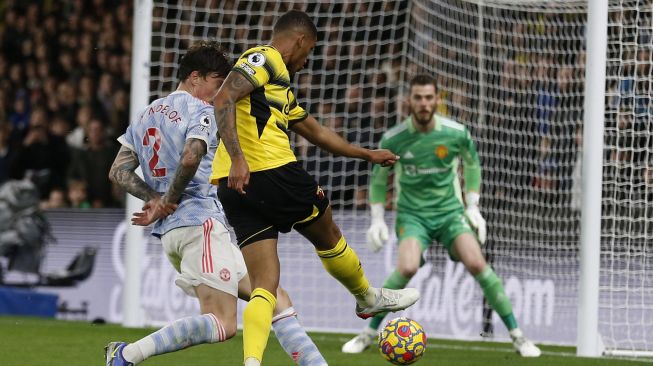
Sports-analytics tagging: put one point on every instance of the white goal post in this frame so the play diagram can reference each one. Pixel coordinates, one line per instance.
(548, 89)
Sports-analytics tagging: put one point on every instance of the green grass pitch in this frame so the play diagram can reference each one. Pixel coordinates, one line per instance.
(47, 342)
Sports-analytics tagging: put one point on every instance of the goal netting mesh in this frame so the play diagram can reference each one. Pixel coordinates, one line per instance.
(350, 82)
(513, 72)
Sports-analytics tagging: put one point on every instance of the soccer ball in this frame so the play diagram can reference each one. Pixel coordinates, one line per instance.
(402, 341)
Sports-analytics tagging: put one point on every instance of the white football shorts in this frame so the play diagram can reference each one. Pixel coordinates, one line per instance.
(204, 255)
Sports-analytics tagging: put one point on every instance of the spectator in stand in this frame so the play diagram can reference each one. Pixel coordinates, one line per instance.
(77, 137)
(59, 126)
(119, 114)
(67, 100)
(42, 156)
(6, 151)
(92, 163)
(77, 194)
(56, 199)
(20, 116)
(55, 68)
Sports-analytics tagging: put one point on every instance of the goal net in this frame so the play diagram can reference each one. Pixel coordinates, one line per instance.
(513, 73)
(350, 81)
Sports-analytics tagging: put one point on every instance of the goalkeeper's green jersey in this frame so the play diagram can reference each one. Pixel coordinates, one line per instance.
(426, 175)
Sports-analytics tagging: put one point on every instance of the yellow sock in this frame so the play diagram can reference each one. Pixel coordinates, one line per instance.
(343, 264)
(257, 320)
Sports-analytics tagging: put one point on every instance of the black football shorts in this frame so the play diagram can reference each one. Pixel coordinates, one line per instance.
(276, 200)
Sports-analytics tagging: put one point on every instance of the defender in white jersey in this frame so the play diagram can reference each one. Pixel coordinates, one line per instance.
(174, 139)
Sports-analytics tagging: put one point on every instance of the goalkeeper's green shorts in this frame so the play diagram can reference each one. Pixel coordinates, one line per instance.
(428, 229)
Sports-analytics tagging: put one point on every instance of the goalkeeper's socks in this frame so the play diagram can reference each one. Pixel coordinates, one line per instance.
(343, 264)
(496, 296)
(177, 335)
(395, 281)
(294, 340)
(257, 318)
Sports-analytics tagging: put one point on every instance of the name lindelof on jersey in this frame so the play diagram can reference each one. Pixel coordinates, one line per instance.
(166, 110)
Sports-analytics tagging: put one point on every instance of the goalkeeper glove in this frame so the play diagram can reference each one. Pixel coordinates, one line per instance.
(377, 234)
(474, 215)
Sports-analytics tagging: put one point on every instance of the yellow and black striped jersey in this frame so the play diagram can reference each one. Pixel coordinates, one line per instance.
(264, 116)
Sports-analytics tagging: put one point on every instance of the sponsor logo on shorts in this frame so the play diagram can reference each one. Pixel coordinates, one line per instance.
(225, 275)
(320, 193)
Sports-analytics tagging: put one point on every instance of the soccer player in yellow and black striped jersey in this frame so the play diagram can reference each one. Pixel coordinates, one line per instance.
(264, 190)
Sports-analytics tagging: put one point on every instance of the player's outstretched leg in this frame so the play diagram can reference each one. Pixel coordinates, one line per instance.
(342, 263)
(180, 334)
(467, 249)
(369, 335)
(113, 354)
(294, 340)
(290, 333)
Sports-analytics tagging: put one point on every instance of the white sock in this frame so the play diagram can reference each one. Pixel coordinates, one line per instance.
(177, 335)
(516, 333)
(294, 340)
(368, 298)
(251, 361)
(371, 332)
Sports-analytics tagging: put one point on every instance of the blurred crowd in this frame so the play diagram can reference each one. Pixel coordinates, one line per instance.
(64, 96)
(351, 82)
(64, 88)
(526, 111)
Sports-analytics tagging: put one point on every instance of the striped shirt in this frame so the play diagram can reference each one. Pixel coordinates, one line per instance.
(158, 136)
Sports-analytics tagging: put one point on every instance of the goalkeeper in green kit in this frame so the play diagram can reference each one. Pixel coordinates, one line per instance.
(430, 206)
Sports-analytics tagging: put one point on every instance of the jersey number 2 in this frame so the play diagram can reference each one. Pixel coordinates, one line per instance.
(153, 133)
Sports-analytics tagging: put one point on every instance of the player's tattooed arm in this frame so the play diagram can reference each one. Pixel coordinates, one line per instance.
(122, 173)
(194, 151)
(235, 87)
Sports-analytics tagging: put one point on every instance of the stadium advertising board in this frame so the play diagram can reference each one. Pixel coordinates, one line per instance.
(451, 303)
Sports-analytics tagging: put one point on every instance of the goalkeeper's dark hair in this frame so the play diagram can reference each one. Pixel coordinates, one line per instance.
(423, 79)
(295, 19)
(205, 57)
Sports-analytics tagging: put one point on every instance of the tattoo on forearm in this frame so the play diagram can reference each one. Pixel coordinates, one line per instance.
(238, 82)
(194, 151)
(122, 173)
(225, 114)
(226, 119)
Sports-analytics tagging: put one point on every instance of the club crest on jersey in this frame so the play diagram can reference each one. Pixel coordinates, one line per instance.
(441, 151)
(256, 59)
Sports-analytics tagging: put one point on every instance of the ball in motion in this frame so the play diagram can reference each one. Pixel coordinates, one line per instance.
(402, 341)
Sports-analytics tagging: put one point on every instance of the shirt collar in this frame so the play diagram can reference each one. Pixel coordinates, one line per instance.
(436, 126)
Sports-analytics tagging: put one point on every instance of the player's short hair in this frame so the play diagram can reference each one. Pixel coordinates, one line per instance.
(204, 57)
(423, 79)
(295, 19)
